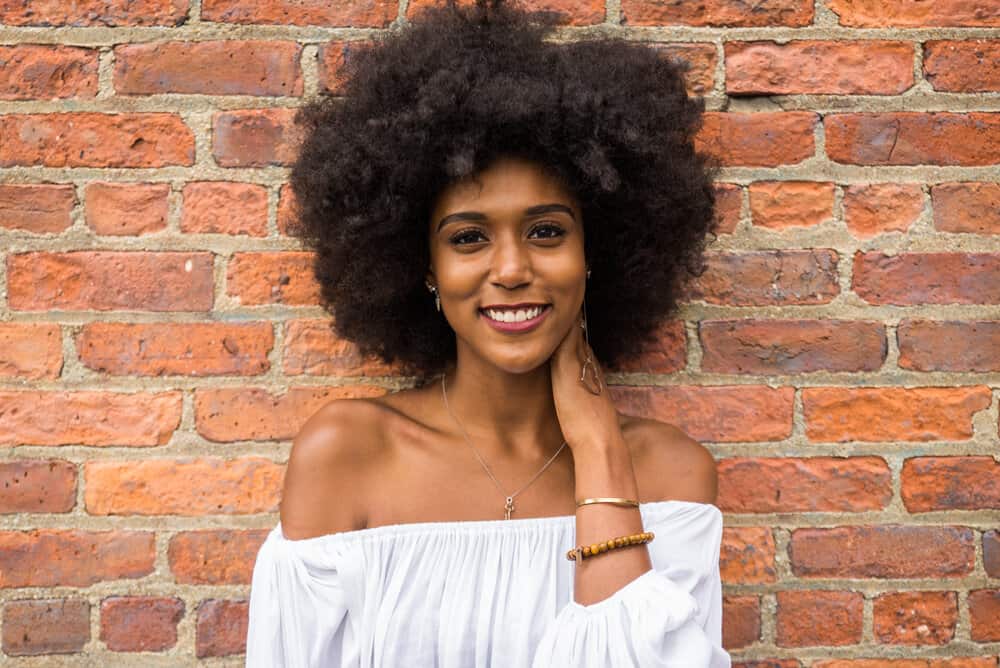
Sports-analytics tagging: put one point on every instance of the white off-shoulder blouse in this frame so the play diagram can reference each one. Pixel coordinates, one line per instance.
(486, 593)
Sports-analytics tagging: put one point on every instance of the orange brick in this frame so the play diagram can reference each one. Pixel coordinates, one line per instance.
(741, 623)
(127, 208)
(747, 555)
(764, 278)
(972, 208)
(837, 414)
(287, 211)
(782, 204)
(45, 626)
(728, 207)
(765, 139)
(214, 557)
(187, 487)
(576, 12)
(984, 613)
(366, 14)
(872, 209)
(915, 617)
(311, 347)
(803, 484)
(810, 618)
(254, 138)
(217, 207)
(950, 483)
(957, 345)
(966, 66)
(32, 351)
(666, 354)
(272, 278)
(73, 558)
(700, 61)
(221, 628)
(869, 67)
(37, 486)
(927, 278)
(915, 14)
(731, 13)
(140, 623)
(93, 12)
(36, 208)
(88, 418)
(991, 552)
(962, 662)
(332, 58)
(37, 72)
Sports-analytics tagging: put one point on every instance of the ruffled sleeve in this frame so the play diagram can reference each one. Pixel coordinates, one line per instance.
(298, 607)
(668, 617)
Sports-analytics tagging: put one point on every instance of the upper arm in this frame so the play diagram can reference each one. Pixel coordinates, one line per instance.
(325, 479)
(676, 466)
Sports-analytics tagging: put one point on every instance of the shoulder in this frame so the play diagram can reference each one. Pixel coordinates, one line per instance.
(669, 464)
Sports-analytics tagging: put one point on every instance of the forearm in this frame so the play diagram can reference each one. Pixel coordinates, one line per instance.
(606, 470)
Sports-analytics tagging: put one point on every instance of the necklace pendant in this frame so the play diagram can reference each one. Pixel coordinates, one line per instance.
(509, 507)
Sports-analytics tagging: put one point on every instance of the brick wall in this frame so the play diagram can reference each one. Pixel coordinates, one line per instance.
(160, 342)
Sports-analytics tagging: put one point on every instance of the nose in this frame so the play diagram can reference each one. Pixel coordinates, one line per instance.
(511, 263)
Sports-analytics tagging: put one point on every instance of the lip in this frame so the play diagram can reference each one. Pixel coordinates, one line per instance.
(518, 327)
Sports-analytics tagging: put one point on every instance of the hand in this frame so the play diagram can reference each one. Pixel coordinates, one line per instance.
(587, 420)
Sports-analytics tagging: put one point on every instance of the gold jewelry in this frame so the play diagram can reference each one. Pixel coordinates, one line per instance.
(581, 552)
(509, 505)
(593, 381)
(434, 290)
(631, 503)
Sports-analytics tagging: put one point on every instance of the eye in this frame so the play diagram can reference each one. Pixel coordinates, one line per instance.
(464, 237)
(551, 230)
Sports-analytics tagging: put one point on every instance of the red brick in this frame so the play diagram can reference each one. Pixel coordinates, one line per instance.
(73, 558)
(181, 348)
(768, 663)
(666, 354)
(273, 278)
(110, 280)
(782, 204)
(37, 72)
(972, 208)
(916, 14)
(45, 626)
(91, 139)
(576, 12)
(254, 414)
(869, 67)
(950, 483)
(88, 418)
(732, 13)
(765, 139)
(218, 207)
(222, 628)
(991, 553)
(287, 212)
(362, 14)
(747, 555)
(36, 208)
(740, 622)
(127, 208)
(810, 618)
(93, 12)
(956, 345)
(311, 347)
(927, 278)
(188, 487)
(875, 208)
(791, 346)
(914, 138)
(37, 486)
(803, 484)
(140, 623)
(214, 557)
(962, 662)
(769, 277)
(915, 617)
(881, 414)
(219, 67)
(728, 207)
(888, 551)
(714, 413)
(29, 350)
(254, 138)
(700, 60)
(984, 613)
(965, 66)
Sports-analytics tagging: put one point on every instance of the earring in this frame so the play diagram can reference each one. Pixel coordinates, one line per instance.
(588, 272)
(593, 381)
(437, 299)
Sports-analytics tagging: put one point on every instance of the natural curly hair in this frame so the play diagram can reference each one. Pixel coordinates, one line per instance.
(441, 99)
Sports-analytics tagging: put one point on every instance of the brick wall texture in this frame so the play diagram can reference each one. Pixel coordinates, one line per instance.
(160, 339)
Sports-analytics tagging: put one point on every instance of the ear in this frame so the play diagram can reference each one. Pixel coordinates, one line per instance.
(429, 277)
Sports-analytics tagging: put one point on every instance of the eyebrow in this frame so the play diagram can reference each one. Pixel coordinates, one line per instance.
(530, 211)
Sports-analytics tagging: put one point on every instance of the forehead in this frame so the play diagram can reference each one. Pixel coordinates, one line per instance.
(507, 185)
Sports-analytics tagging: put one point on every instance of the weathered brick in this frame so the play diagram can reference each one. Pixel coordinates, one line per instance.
(37, 486)
(950, 483)
(875, 208)
(803, 484)
(140, 623)
(73, 558)
(110, 280)
(254, 137)
(218, 207)
(747, 555)
(949, 345)
(959, 662)
(700, 61)
(666, 354)
(916, 14)
(991, 552)
(88, 418)
(927, 278)
(887, 551)
(311, 347)
(732, 13)
(127, 208)
(222, 628)
(188, 348)
(30, 350)
(41, 72)
(769, 277)
(740, 622)
(914, 138)
(837, 414)
(984, 613)
(765, 139)
(188, 487)
(810, 618)
(966, 66)
(273, 278)
(576, 12)
(216, 67)
(93, 12)
(214, 556)
(967, 207)
(288, 212)
(915, 617)
(869, 67)
(91, 139)
(364, 14)
(728, 207)
(713, 413)
(782, 204)
(37, 208)
(45, 626)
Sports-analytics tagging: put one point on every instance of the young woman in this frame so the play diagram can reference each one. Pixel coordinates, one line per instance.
(504, 216)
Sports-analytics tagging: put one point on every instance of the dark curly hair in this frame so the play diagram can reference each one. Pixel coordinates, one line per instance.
(441, 99)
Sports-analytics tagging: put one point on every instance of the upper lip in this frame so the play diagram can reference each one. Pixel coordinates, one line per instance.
(511, 306)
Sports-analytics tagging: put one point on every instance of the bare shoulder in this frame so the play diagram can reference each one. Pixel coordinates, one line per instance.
(328, 467)
(669, 464)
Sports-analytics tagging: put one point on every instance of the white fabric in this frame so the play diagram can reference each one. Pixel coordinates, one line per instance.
(486, 593)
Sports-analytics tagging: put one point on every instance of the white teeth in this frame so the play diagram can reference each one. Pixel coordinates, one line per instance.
(514, 316)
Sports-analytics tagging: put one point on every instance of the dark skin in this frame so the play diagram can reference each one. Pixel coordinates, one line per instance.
(401, 459)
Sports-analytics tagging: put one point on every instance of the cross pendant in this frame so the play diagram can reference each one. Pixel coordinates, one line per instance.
(509, 507)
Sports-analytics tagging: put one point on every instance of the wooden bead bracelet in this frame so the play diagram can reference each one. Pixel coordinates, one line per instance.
(582, 552)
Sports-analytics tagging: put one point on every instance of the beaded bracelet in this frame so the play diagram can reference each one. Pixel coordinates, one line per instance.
(582, 552)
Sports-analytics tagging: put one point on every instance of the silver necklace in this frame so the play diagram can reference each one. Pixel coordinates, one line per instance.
(509, 506)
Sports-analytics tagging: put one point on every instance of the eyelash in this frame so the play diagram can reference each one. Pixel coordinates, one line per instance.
(455, 239)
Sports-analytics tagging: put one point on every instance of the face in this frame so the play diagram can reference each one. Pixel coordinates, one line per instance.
(507, 259)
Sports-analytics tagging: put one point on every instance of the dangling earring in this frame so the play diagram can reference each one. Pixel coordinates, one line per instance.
(591, 381)
(437, 300)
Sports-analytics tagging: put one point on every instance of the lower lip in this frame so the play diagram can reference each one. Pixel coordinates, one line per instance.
(517, 326)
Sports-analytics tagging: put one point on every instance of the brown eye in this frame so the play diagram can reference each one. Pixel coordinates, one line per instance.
(549, 231)
(464, 237)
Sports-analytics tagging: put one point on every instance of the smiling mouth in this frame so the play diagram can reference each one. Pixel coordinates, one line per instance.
(516, 320)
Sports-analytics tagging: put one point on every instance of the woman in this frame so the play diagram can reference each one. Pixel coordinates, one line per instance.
(473, 194)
